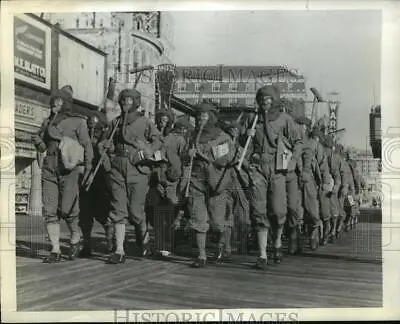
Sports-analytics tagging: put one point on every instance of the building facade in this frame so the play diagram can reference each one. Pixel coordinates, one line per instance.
(375, 131)
(131, 39)
(228, 86)
(370, 168)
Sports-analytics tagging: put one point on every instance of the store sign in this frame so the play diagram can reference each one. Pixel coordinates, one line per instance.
(32, 51)
(25, 109)
(333, 110)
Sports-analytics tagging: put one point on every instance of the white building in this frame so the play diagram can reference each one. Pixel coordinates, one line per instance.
(131, 39)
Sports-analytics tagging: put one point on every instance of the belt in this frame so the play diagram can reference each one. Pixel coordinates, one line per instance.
(122, 153)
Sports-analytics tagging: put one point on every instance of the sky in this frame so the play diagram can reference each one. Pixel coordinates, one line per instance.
(336, 51)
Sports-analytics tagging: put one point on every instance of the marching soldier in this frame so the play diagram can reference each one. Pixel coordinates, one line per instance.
(134, 144)
(294, 194)
(316, 177)
(346, 190)
(64, 136)
(334, 167)
(238, 209)
(350, 198)
(276, 150)
(95, 203)
(359, 185)
(162, 199)
(211, 151)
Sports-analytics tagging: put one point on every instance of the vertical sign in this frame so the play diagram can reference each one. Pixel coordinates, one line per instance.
(333, 114)
(32, 51)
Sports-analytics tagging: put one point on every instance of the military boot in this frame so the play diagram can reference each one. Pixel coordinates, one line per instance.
(332, 232)
(73, 225)
(86, 251)
(224, 250)
(339, 229)
(325, 235)
(142, 240)
(314, 237)
(293, 241)
(299, 239)
(278, 253)
(110, 238)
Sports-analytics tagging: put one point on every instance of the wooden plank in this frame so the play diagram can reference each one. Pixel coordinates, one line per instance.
(345, 274)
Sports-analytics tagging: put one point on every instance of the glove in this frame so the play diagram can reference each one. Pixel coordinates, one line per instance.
(36, 139)
(107, 164)
(192, 152)
(86, 173)
(148, 153)
(326, 187)
(251, 132)
(255, 158)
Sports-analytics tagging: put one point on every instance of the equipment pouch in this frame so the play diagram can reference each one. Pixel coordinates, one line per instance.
(72, 153)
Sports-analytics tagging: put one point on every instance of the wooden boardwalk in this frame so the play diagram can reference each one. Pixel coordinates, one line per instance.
(346, 274)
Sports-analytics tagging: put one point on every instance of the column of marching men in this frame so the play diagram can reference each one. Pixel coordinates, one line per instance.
(272, 176)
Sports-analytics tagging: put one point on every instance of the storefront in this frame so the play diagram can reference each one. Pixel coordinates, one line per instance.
(47, 58)
(32, 67)
(29, 114)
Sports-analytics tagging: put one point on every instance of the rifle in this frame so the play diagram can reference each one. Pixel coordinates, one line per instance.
(88, 182)
(246, 147)
(191, 162)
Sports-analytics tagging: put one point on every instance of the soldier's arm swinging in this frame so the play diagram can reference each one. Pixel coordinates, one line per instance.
(84, 140)
(37, 139)
(296, 141)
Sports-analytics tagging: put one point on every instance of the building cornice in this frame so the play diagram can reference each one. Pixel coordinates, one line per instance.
(149, 39)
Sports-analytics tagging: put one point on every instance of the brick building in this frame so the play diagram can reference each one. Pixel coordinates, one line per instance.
(229, 86)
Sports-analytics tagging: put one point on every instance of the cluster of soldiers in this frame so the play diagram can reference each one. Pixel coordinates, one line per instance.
(278, 177)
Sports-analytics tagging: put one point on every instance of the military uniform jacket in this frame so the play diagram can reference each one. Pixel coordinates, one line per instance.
(71, 126)
(265, 144)
(314, 160)
(347, 177)
(136, 134)
(213, 174)
(335, 168)
(174, 147)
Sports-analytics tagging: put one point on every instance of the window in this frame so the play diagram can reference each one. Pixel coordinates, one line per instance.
(216, 87)
(197, 87)
(233, 101)
(144, 58)
(250, 86)
(249, 101)
(216, 102)
(135, 57)
(181, 87)
(233, 87)
(77, 22)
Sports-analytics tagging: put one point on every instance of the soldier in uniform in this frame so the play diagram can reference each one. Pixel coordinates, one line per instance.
(317, 182)
(162, 199)
(61, 170)
(212, 152)
(359, 184)
(275, 137)
(349, 204)
(95, 203)
(134, 145)
(238, 209)
(346, 189)
(294, 194)
(334, 167)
